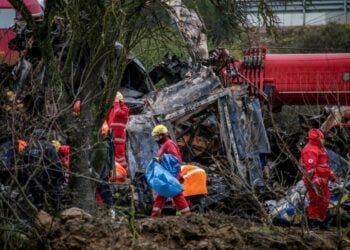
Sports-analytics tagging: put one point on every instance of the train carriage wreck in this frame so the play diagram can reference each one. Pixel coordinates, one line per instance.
(214, 126)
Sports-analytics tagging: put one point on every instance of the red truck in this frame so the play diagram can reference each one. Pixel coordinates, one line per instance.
(7, 18)
(291, 79)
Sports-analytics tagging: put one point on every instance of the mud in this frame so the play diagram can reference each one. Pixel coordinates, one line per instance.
(210, 231)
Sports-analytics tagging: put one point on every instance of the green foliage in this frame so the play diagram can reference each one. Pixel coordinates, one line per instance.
(15, 234)
(313, 39)
(151, 49)
(225, 20)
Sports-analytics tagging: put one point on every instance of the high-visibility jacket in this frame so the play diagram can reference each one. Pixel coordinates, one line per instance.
(194, 180)
(104, 128)
(22, 145)
(119, 175)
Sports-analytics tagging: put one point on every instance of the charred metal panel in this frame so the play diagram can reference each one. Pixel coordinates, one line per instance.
(140, 147)
(250, 137)
(185, 92)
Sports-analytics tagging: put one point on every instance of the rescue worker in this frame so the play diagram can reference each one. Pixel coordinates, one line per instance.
(22, 144)
(116, 120)
(103, 161)
(43, 171)
(64, 155)
(194, 181)
(117, 176)
(317, 173)
(167, 146)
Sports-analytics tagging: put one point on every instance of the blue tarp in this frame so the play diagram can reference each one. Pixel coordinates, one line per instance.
(162, 181)
(338, 164)
(171, 163)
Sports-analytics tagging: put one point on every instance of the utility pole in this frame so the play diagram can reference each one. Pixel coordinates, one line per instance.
(304, 12)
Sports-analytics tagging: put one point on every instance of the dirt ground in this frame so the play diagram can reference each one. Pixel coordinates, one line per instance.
(209, 231)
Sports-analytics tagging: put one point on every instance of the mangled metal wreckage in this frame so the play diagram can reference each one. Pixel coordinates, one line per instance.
(216, 127)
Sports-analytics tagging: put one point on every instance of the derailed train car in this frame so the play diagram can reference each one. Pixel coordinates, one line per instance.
(219, 128)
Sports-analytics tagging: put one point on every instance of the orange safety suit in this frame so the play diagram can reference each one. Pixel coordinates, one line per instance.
(120, 174)
(194, 180)
(317, 173)
(22, 145)
(116, 119)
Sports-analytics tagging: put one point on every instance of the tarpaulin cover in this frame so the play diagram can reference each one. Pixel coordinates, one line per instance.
(171, 163)
(162, 181)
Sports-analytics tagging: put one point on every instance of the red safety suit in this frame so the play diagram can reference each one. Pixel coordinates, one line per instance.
(64, 155)
(170, 147)
(317, 173)
(116, 120)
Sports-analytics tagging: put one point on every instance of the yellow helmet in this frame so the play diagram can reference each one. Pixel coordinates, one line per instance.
(57, 144)
(119, 97)
(159, 130)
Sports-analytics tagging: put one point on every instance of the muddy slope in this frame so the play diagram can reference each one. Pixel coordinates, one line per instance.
(210, 231)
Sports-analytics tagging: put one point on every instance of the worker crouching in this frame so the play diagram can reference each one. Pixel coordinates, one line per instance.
(317, 174)
(194, 182)
(42, 173)
(167, 146)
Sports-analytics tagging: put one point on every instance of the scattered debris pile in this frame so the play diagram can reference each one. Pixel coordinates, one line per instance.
(75, 229)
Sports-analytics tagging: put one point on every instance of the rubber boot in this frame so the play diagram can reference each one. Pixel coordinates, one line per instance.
(185, 211)
(155, 214)
(318, 224)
